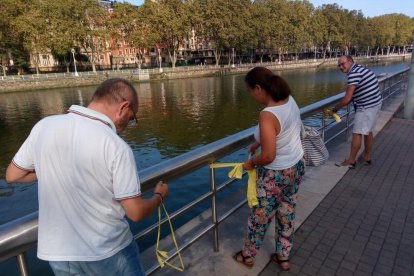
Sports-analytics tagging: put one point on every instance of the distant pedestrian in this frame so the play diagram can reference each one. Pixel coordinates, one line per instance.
(363, 90)
(88, 182)
(280, 166)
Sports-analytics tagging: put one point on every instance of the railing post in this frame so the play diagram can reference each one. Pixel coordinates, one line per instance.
(348, 111)
(409, 97)
(214, 209)
(21, 261)
(323, 125)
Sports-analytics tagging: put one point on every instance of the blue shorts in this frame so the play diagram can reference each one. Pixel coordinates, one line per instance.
(125, 262)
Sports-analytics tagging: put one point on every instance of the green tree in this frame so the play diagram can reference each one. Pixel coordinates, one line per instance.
(384, 33)
(299, 18)
(90, 28)
(240, 33)
(332, 18)
(278, 15)
(170, 26)
(403, 30)
(61, 18)
(31, 26)
(225, 26)
(261, 29)
(11, 48)
(124, 25)
(363, 34)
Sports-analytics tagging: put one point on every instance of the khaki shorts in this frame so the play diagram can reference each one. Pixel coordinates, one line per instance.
(365, 119)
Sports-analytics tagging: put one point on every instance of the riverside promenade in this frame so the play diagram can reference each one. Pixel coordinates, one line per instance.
(349, 222)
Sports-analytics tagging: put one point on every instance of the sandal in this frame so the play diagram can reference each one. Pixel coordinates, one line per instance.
(244, 259)
(345, 163)
(363, 161)
(275, 258)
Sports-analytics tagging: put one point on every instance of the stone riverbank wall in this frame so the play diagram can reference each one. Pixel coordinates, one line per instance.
(62, 80)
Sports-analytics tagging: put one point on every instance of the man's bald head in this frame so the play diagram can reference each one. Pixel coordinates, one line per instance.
(114, 91)
(117, 99)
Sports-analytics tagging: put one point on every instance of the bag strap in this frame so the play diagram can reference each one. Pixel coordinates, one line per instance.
(162, 256)
(303, 132)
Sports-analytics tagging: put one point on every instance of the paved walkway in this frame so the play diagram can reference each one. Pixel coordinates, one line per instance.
(365, 225)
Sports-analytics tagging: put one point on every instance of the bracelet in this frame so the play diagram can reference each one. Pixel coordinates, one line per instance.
(162, 199)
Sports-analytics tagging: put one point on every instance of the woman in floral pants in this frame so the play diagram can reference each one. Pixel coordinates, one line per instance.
(280, 166)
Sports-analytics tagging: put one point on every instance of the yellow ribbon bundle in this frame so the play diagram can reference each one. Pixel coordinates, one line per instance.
(334, 115)
(237, 172)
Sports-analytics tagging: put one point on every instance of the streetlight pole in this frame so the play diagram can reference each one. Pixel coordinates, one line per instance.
(233, 58)
(74, 62)
(160, 59)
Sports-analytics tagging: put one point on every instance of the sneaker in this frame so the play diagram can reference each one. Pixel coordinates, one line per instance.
(345, 163)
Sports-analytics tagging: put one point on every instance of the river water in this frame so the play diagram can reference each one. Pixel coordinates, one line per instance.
(174, 116)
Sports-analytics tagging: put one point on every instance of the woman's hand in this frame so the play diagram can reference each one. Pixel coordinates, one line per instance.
(249, 165)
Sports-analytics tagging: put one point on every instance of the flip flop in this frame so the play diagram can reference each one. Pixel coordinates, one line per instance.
(346, 164)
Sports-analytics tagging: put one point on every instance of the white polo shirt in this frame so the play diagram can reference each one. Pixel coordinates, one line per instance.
(84, 169)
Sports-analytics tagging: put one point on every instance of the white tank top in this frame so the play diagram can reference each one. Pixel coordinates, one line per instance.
(288, 145)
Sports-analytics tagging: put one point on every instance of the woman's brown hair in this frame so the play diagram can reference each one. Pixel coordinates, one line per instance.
(273, 84)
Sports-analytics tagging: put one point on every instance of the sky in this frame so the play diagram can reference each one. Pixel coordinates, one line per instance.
(369, 8)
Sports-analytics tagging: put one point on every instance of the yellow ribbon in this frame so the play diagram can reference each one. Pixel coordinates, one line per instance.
(334, 115)
(162, 256)
(237, 172)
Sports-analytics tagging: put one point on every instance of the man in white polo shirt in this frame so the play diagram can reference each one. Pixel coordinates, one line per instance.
(88, 182)
(363, 90)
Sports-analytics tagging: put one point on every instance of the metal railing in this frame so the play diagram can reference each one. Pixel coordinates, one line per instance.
(18, 236)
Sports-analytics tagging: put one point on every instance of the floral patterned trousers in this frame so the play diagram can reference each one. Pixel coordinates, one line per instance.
(277, 195)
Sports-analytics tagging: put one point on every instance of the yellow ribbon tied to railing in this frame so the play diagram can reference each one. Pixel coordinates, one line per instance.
(162, 256)
(334, 115)
(237, 172)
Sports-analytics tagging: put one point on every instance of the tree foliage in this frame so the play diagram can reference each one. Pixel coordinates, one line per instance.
(260, 28)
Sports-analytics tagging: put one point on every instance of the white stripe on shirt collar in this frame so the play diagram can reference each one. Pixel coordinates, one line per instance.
(90, 113)
(352, 68)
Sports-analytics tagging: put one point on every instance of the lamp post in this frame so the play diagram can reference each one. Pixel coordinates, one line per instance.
(74, 62)
(233, 58)
(160, 59)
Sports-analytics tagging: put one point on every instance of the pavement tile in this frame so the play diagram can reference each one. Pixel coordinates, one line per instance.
(348, 265)
(326, 271)
(333, 264)
(401, 271)
(365, 267)
(361, 273)
(310, 269)
(386, 269)
(344, 272)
